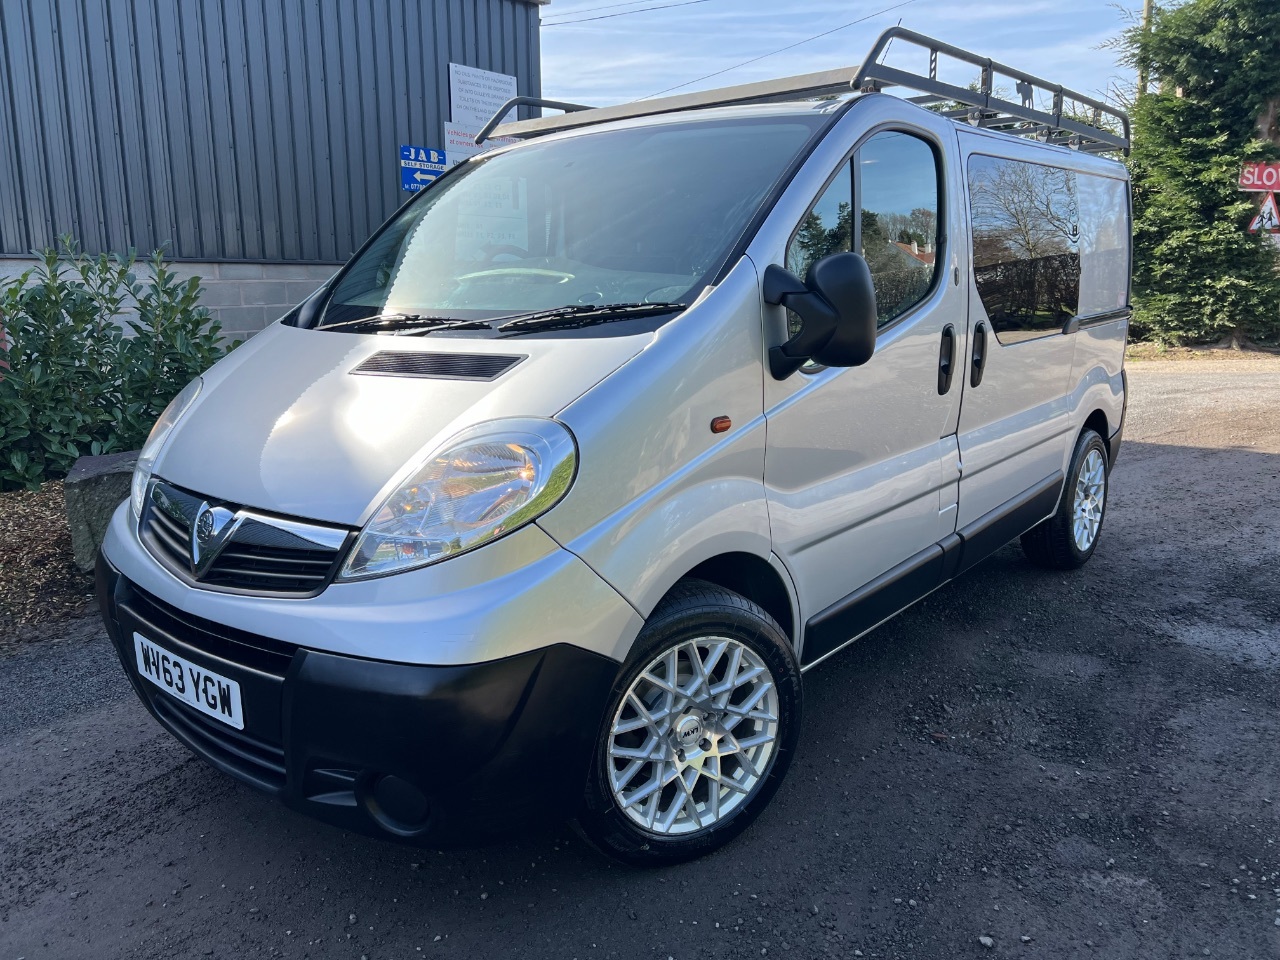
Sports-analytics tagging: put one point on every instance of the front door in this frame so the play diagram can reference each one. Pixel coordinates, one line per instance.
(860, 465)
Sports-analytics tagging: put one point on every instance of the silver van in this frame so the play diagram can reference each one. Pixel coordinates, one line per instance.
(545, 503)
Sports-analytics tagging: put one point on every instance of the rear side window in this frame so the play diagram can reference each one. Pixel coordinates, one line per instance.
(1049, 244)
(894, 178)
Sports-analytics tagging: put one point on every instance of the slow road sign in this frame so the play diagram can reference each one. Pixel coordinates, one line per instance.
(1260, 177)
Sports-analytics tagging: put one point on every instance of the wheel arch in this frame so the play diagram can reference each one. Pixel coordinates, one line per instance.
(760, 580)
(1097, 422)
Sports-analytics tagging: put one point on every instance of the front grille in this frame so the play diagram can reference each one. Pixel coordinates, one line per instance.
(217, 640)
(170, 534)
(250, 758)
(263, 554)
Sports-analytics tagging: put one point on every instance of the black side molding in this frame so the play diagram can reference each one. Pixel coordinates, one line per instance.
(873, 603)
(896, 589)
(1113, 443)
(1073, 324)
(993, 530)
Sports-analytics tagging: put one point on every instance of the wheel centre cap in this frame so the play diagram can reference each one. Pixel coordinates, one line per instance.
(689, 730)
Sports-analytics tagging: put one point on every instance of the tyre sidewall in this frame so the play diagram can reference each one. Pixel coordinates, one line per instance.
(1089, 440)
(608, 827)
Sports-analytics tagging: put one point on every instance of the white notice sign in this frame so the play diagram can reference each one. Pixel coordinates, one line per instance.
(475, 95)
(460, 143)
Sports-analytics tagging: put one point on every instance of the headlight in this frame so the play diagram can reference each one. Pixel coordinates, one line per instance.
(484, 483)
(155, 441)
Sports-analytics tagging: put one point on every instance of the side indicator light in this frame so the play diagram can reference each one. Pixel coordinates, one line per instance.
(721, 424)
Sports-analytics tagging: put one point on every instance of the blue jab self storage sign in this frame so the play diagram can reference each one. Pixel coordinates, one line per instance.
(419, 166)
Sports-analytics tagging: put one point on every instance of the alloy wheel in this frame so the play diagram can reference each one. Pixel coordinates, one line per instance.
(694, 736)
(1090, 499)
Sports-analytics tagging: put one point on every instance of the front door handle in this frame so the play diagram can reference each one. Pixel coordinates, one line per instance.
(979, 354)
(946, 358)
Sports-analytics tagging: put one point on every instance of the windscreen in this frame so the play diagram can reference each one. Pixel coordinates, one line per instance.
(640, 215)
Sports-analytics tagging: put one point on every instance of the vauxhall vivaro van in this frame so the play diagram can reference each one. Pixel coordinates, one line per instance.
(544, 504)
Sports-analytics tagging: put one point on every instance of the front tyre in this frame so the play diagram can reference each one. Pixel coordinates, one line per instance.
(1067, 539)
(698, 733)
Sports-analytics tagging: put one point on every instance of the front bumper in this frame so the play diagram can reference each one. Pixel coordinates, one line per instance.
(432, 754)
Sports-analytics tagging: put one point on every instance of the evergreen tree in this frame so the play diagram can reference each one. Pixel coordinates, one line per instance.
(1198, 275)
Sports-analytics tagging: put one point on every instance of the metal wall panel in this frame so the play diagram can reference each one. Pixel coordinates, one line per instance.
(230, 129)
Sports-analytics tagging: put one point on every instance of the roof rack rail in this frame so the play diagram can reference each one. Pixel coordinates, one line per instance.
(988, 110)
(980, 107)
(506, 108)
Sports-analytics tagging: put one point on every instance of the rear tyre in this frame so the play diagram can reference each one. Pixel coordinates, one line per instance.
(1067, 539)
(699, 731)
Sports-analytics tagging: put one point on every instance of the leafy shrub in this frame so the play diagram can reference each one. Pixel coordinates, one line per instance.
(94, 355)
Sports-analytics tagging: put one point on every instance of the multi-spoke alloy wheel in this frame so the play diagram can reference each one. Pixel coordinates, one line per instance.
(693, 735)
(1091, 496)
(1068, 538)
(698, 732)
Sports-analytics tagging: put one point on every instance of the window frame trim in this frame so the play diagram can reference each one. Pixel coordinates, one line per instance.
(943, 249)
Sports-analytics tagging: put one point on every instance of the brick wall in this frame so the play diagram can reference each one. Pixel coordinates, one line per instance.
(243, 297)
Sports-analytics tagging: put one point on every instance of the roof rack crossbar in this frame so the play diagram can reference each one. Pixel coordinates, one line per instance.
(873, 76)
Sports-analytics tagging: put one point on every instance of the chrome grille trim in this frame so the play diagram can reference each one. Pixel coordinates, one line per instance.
(251, 553)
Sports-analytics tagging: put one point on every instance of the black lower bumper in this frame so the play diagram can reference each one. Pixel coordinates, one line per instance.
(430, 754)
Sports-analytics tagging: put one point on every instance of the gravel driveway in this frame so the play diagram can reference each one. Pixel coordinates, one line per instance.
(1069, 765)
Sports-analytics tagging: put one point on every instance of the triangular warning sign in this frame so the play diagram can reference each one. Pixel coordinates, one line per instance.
(1268, 218)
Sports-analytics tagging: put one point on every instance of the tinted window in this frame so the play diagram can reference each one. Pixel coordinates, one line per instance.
(1026, 245)
(643, 214)
(1104, 244)
(827, 228)
(895, 178)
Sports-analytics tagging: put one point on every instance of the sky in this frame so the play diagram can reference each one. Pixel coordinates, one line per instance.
(605, 61)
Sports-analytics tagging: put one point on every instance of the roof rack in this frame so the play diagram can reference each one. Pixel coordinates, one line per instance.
(506, 108)
(980, 107)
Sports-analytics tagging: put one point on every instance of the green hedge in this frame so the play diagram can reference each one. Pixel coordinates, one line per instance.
(94, 355)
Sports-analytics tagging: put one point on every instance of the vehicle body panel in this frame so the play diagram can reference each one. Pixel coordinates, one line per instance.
(860, 468)
(311, 439)
(659, 492)
(1019, 425)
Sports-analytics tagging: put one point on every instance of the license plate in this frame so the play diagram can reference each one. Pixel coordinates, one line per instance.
(209, 692)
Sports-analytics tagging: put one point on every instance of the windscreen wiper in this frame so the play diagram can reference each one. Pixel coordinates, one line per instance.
(407, 323)
(584, 315)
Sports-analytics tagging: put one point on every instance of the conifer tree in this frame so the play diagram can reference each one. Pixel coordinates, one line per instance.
(1198, 275)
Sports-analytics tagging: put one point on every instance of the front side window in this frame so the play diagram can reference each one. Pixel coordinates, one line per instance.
(1026, 245)
(643, 215)
(894, 177)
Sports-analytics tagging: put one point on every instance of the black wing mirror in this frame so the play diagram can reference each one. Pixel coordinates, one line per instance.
(836, 303)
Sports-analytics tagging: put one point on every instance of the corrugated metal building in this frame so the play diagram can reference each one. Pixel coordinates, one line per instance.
(258, 140)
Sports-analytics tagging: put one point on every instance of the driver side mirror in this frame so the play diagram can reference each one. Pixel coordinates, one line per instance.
(836, 303)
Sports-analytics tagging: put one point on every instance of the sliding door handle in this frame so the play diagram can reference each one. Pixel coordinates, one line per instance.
(946, 358)
(979, 355)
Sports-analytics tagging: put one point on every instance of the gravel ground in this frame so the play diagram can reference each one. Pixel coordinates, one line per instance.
(39, 584)
(1027, 764)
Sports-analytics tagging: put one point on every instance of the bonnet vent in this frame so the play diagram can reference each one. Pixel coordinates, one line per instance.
(439, 366)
